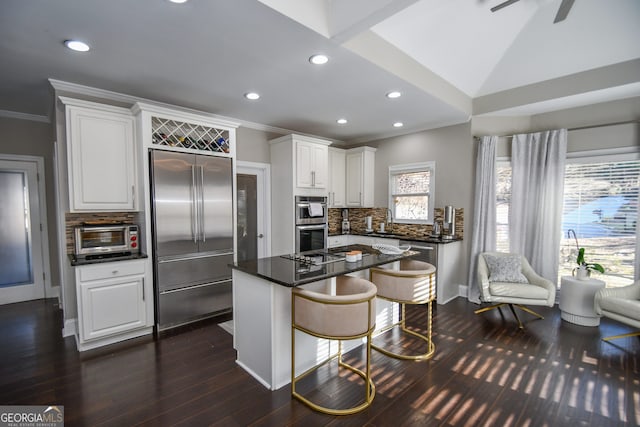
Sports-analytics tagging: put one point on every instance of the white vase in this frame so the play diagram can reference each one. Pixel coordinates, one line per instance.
(581, 273)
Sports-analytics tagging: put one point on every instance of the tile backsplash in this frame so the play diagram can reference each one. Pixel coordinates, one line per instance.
(74, 219)
(357, 216)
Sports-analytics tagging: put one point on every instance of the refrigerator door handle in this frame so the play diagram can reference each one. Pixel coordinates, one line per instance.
(194, 205)
(202, 227)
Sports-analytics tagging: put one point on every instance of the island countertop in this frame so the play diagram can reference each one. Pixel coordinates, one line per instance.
(287, 272)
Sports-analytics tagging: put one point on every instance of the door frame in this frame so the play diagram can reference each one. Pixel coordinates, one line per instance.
(49, 291)
(262, 171)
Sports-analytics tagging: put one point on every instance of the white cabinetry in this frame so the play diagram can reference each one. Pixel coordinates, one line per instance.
(337, 178)
(101, 156)
(293, 159)
(114, 303)
(360, 176)
(311, 164)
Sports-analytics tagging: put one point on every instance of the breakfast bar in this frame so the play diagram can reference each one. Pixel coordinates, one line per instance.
(262, 308)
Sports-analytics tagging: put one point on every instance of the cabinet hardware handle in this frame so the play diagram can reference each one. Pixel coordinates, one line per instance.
(202, 227)
(260, 236)
(114, 272)
(194, 201)
(133, 195)
(143, 289)
(313, 179)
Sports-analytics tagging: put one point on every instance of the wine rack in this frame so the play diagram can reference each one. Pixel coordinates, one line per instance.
(173, 133)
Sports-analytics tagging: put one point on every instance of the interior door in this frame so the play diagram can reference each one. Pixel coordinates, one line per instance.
(21, 263)
(247, 217)
(253, 212)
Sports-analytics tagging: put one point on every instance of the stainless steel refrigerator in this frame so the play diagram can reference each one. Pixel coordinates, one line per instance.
(192, 199)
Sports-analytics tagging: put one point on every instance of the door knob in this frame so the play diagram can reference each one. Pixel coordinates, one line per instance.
(260, 236)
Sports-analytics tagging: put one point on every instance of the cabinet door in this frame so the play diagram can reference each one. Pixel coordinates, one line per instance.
(101, 160)
(354, 179)
(111, 306)
(304, 165)
(337, 171)
(320, 168)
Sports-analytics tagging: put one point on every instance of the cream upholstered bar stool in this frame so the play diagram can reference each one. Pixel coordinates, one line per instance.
(347, 315)
(413, 283)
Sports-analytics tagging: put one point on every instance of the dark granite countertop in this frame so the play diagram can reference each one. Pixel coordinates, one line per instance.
(437, 240)
(81, 261)
(291, 273)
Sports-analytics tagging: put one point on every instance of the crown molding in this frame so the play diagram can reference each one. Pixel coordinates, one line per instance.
(24, 116)
(60, 85)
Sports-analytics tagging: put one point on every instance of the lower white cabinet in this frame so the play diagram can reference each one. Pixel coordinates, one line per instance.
(112, 303)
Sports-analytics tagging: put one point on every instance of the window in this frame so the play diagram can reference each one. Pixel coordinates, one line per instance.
(411, 192)
(600, 205)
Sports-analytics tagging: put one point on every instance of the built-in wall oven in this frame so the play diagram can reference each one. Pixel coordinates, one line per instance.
(311, 223)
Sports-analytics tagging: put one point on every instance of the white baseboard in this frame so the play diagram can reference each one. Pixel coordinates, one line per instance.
(463, 290)
(70, 328)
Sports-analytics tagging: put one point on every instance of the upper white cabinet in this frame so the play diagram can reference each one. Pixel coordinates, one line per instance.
(101, 156)
(360, 176)
(312, 161)
(337, 178)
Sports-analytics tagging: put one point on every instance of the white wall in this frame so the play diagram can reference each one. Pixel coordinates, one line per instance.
(253, 145)
(453, 150)
(30, 138)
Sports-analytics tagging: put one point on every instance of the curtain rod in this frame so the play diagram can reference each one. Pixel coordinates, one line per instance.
(587, 127)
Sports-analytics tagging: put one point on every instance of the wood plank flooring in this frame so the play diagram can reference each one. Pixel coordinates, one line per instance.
(485, 372)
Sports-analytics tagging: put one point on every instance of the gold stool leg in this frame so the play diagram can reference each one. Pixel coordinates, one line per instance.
(431, 348)
(630, 334)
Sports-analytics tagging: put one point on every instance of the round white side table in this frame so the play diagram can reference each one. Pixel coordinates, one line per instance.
(576, 300)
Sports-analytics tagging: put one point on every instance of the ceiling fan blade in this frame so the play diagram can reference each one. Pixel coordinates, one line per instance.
(563, 10)
(503, 4)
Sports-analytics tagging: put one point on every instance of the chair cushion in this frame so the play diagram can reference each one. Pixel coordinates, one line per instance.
(622, 306)
(518, 290)
(505, 268)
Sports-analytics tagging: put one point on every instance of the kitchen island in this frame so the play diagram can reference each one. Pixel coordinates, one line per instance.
(262, 310)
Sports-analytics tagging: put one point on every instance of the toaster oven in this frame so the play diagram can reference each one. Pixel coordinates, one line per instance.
(119, 239)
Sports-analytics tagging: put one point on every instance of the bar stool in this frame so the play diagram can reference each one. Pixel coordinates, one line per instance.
(349, 314)
(413, 283)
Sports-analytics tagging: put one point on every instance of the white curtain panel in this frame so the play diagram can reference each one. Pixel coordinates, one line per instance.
(484, 210)
(537, 184)
(637, 262)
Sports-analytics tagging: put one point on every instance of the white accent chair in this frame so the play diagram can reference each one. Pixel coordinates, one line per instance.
(621, 304)
(539, 291)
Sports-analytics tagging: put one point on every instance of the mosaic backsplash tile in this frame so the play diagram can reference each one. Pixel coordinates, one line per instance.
(357, 222)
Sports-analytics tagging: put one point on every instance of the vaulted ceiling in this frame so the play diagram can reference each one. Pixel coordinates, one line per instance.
(450, 59)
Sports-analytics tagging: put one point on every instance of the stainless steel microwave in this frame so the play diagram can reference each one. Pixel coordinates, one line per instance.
(106, 239)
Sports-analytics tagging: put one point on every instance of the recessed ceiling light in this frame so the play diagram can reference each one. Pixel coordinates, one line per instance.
(398, 124)
(76, 45)
(342, 121)
(178, 1)
(319, 59)
(252, 96)
(394, 94)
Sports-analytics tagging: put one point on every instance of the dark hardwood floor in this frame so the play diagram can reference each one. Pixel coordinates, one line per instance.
(485, 372)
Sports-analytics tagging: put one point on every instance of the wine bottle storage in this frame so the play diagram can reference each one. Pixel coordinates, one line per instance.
(173, 133)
